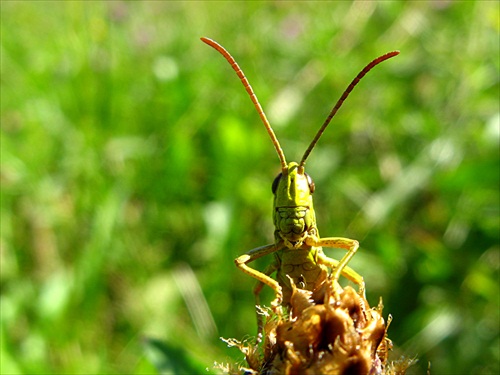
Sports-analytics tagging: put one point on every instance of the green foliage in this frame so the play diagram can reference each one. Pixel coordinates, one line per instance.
(134, 169)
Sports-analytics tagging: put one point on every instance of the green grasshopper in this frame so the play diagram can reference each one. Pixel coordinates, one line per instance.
(299, 258)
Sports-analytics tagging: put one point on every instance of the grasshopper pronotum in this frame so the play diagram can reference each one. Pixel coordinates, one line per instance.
(299, 257)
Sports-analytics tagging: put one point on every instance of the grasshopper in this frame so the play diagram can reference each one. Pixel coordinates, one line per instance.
(299, 258)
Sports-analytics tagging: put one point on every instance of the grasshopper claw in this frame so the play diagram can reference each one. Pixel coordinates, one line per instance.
(276, 304)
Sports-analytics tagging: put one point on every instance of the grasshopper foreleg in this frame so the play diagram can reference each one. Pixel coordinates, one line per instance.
(339, 267)
(241, 263)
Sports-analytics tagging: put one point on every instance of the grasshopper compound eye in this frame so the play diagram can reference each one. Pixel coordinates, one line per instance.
(276, 181)
(310, 182)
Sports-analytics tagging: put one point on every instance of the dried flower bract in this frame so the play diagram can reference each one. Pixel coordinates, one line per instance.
(342, 335)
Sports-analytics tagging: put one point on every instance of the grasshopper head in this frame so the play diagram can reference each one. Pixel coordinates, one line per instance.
(293, 205)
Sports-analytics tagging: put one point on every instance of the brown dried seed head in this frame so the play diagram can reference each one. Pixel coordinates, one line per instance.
(343, 335)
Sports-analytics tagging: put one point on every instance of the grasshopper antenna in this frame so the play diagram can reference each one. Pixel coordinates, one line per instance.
(344, 96)
(250, 92)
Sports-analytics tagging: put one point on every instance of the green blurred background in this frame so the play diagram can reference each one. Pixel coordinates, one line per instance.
(134, 169)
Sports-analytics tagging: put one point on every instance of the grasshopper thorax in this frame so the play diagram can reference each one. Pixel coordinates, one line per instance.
(293, 214)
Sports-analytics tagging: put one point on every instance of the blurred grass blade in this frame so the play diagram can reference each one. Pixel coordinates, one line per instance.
(190, 289)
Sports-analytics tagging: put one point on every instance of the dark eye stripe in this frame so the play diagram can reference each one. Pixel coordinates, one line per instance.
(276, 182)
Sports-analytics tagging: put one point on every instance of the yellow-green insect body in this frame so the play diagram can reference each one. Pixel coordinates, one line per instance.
(299, 256)
(298, 252)
(295, 222)
(303, 268)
